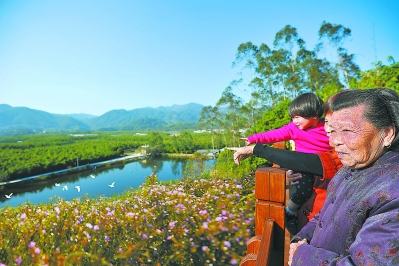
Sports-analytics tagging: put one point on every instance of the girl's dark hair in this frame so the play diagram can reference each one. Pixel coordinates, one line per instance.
(381, 108)
(306, 105)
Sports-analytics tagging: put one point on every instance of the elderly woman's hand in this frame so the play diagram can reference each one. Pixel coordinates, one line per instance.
(293, 247)
(242, 153)
(293, 177)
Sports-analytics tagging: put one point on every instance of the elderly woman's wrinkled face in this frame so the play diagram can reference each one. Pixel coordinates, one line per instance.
(357, 142)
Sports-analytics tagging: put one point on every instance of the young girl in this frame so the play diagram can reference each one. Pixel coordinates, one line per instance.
(307, 131)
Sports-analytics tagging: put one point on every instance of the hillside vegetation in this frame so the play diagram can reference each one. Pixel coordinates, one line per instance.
(28, 155)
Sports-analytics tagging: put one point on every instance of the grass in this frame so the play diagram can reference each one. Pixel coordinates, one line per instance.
(188, 222)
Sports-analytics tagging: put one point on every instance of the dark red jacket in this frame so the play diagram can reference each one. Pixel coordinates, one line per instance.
(331, 164)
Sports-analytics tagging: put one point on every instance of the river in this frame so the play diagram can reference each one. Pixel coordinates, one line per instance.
(124, 175)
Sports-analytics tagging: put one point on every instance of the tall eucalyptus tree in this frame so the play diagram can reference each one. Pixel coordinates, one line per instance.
(210, 120)
(335, 35)
(230, 106)
(287, 41)
(247, 54)
(316, 73)
(267, 87)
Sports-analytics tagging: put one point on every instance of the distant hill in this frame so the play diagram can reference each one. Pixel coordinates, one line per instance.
(82, 117)
(14, 118)
(175, 116)
(147, 118)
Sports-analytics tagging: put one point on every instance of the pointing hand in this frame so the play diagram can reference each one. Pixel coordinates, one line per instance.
(242, 153)
(246, 141)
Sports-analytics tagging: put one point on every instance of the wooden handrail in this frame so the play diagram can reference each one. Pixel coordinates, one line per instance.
(266, 244)
(270, 245)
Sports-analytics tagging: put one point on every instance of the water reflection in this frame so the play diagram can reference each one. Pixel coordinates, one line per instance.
(125, 175)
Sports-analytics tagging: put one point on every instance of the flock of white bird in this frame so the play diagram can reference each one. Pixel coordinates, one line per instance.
(66, 187)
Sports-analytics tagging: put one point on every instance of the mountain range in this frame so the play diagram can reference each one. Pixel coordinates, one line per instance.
(160, 118)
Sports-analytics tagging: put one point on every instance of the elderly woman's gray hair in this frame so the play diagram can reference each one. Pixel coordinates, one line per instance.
(381, 108)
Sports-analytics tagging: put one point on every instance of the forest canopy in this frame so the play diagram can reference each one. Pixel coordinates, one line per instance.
(272, 76)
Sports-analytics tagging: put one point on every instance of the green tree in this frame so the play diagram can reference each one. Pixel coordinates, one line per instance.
(247, 57)
(274, 118)
(380, 76)
(156, 143)
(288, 40)
(209, 120)
(336, 36)
(233, 121)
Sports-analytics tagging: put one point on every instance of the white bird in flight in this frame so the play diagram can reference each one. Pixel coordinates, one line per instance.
(112, 184)
(93, 176)
(9, 196)
(65, 187)
(57, 184)
(78, 188)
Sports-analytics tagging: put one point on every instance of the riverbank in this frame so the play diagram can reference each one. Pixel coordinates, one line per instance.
(129, 156)
(75, 169)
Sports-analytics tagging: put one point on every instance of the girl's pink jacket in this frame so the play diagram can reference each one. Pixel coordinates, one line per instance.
(311, 140)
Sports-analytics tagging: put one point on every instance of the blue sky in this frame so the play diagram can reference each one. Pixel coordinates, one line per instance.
(94, 56)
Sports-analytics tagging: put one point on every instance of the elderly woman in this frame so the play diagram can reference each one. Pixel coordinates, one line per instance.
(323, 165)
(359, 222)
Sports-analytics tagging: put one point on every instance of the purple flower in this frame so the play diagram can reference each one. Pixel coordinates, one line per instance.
(205, 225)
(181, 206)
(23, 216)
(227, 244)
(203, 212)
(37, 251)
(32, 244)
(172, 224)
(18, 260)
(89, 225)
(106, 238)
(96, 227)
(144, 236)
(204, 248)
(57, 210)
(233, 261)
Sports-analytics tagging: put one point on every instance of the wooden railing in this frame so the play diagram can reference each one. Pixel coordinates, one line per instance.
(270, 245)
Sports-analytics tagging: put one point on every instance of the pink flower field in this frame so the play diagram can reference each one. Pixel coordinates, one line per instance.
(188, 222)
